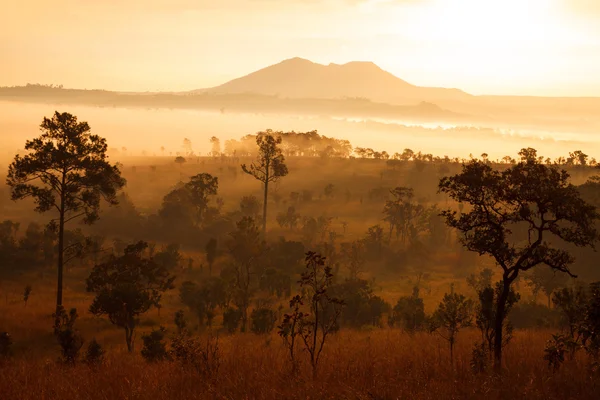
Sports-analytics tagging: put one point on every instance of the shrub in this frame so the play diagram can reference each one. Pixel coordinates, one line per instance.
(191, 353)
(231, 319)
(95, 353)
(480, 357)
(263, 320)
(155, 349)
(69, 339)
(409, 312)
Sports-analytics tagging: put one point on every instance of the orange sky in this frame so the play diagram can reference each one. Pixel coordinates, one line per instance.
(539, 47)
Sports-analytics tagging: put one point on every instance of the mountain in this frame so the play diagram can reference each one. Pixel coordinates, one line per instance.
(300, 78)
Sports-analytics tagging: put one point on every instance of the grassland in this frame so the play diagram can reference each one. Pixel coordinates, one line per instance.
(375, 363)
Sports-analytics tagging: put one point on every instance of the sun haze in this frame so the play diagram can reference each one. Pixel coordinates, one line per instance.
(535, 47)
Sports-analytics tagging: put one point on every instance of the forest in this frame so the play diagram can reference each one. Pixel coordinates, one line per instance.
(295, 265)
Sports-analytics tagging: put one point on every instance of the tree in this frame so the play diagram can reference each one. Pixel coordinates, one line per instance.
(211, 254)
(188, 202)
(513, 215)
(250, 207)
(401, 212)
(187, 147)
(545, 280)
(452, 314)
(180, 160)
(321, 318)
(246, 248)
(215, 146)
(66, 171)
(485, 315)
(409, 312)
(269, 166)
(128, 286)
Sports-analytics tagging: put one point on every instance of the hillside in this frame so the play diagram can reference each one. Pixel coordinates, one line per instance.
(300, 78)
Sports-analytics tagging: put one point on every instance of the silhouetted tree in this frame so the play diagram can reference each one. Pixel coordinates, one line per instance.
(269, 166)
(66, 171)
(246, 248)
(323, 310)
(452, 315)
(128, 286)
(531, 196)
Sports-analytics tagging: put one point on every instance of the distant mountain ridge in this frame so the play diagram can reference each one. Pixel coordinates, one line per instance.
(301, 78)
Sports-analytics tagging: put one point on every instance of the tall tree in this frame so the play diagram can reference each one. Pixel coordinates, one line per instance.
(66, 171)
(269, 166)
(516, 216)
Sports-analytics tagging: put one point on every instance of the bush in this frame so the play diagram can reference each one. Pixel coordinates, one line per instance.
(480, 358)
(95, 354)
(5, 344)
(409, 312)
(69, 339)
(231, 319)
(191, 353)
(155, 349)
(263, 320)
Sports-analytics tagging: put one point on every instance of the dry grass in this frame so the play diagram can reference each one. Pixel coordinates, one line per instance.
(376, 364)
(383, 364)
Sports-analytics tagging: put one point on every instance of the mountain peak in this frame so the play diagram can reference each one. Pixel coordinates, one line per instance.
(301, 78)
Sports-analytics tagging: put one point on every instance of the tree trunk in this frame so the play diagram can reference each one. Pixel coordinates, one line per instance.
(129, 338)
(61, 245)
(452, 353)
(498, 324)
(265, 208)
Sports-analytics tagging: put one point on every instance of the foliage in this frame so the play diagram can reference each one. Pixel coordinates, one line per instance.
(401, 213)
(485, 315)
(155, 348)
(247, 250)
(189, 352)
(94, 354)
(262, 320)
(269, 166)
(545, 280)
(231, 319)
(65, 171)
(203, 299)
(128, 286)
(452, 315)
(409, 312)
(527, 198)
(321, 318)
(69, 339)
(362, 307)
(555, 350)
(188, 203)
